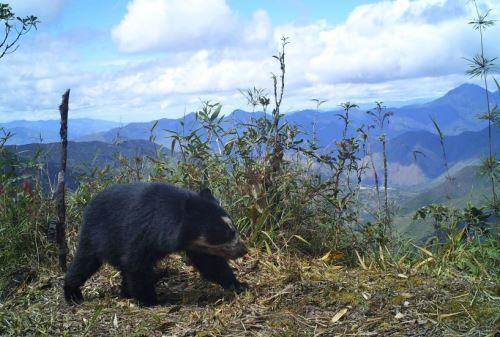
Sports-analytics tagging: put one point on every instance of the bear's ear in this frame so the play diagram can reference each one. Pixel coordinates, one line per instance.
(207, 194)
(189, 206)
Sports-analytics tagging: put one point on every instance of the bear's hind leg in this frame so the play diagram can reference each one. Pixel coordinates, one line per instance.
(79, 272)
(125, 288)
(216, 269)
(141, 284)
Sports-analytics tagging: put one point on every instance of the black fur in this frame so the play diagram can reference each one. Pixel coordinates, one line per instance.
(132, 226)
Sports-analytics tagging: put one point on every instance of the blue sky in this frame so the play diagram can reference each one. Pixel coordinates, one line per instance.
(137, 60)
(106, 14)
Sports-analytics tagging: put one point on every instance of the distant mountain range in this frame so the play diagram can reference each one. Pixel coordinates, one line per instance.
(416, 157)
(414, 151)
(27, 132)
(83, 157)
(455, 112)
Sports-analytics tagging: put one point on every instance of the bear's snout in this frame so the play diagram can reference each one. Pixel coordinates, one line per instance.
(234, 249)
(229, 250)
(239, 250)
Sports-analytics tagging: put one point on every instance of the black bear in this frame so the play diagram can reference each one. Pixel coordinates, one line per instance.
(132, 226)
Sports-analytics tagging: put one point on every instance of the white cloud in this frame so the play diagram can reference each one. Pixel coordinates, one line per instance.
(180, 25)
(260, 29)
(388, 41)
(385, 41)
(174, 24)
(391, 50)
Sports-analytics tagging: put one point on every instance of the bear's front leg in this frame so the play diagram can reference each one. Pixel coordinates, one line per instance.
(141, 284)
(125, 287)
(216, 269)
(80, 270)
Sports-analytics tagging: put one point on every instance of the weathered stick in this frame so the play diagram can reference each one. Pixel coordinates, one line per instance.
(61, 188)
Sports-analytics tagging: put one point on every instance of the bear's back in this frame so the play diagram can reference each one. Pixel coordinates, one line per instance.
(120, 215)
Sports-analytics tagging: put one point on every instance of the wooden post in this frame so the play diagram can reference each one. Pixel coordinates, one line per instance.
(61, 188)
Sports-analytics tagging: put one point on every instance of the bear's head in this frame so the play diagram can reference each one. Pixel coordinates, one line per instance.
(211, 229)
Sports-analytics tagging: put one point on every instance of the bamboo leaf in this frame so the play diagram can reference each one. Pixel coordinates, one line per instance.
(361, 261)
(301, 239)
(173, 145)
(268, 249)
(421, 263)
(339, 315)
(271, 240)
(326, 257)
(155, 124)
(216, 112)
(427, 252)
(438, 129)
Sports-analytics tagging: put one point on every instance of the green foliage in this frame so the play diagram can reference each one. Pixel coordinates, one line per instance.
(283, 194)
(462, 240)
(318, 102)
(255, 97)
(491, 168)
(483, 67)
(14, 27)
(480, 66)
(449, 178)
(444, 218)
(380, 118)
(438, 129)
(22, 213)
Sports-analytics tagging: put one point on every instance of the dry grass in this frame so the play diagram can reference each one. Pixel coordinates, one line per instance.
(289, 296)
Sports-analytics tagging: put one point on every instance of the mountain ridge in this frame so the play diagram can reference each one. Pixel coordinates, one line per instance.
(47, 131)
(456, 112)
